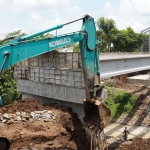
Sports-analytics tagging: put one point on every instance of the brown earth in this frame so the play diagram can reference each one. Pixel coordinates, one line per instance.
(64, 133)
(132, 144)
(139, 116)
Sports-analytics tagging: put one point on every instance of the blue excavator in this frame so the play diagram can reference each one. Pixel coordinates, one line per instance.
(18, 49)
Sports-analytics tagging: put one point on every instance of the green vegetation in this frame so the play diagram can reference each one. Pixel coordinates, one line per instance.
(8, 85)
(8, 88)
(107, 28)
(76, 47)
(110, 38)
(120, 103)
(11, 36)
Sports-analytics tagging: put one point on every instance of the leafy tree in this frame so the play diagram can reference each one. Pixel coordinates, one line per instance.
(8, 87)
(76, 48)
(102, 44)
(19, 33)
(127, 40)
(107, 28)
(11, 36)
(42, 36)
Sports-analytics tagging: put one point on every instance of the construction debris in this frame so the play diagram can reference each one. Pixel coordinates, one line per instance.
(46, 115)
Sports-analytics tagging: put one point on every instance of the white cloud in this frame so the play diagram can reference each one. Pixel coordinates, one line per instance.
(107, 10)
(20, 5)
(134, 13)
(142, 6)
(125, 8)
(36, 16)
(38, 23)
(16, 29)
(5, 4)
(74, 10)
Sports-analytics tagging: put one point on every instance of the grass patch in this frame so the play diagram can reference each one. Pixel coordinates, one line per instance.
(121, 103)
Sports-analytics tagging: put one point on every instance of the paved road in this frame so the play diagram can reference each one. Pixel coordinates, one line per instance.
(115, 130)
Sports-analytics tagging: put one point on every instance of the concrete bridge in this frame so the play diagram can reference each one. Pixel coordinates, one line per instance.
(57, 76)
(113, 64)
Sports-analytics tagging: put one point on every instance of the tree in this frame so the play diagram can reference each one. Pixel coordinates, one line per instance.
(102, 44)
(11, 36)
(76, 47)
(107, 28)
(19, 33)
(8, 87)
(127, 40)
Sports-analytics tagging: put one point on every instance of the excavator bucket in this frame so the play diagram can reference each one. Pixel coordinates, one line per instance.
(97, 114)
(4, 143)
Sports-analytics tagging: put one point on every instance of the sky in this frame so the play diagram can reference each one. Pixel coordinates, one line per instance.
(35, 15)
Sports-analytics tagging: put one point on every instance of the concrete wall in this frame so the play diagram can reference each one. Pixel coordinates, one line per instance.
(54, 91)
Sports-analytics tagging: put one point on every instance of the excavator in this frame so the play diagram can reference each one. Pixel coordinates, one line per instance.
(97, 114)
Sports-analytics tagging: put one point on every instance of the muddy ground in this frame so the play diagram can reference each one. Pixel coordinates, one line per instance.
(64, 133)
(131, 144)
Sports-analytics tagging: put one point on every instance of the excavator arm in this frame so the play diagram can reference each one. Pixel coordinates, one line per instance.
(18, 51)
(96, 112)
(28, 46)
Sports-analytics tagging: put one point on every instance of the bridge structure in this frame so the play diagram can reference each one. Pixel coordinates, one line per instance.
(114, 64)
(146, 44)
(57, 76)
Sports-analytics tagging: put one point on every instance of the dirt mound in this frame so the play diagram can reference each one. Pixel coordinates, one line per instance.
(65, 132)
(26, 105)
(135, 144)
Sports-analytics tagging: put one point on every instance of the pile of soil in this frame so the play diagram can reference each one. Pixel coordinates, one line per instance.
(64, 133)
(134, 144)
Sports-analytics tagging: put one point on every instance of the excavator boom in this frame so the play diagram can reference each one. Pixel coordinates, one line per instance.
(96, 112)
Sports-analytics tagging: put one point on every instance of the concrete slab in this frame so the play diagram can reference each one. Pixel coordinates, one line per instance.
(139, 80)
(115, 130)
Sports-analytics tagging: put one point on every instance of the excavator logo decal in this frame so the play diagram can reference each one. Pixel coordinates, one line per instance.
(59, 42)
